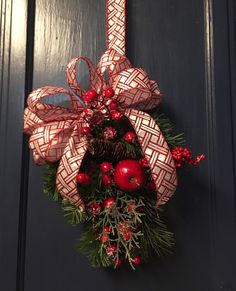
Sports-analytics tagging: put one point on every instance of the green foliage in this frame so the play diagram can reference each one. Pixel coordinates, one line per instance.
(167, 130)
(73, 214)
(49, 182)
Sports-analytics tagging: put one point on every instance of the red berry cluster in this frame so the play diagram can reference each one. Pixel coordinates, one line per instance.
(101, 106)
(183, 156)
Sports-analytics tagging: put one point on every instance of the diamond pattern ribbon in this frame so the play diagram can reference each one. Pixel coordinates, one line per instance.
(55, 130)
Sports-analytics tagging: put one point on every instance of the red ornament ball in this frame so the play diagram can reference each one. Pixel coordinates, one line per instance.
(83, 179)
(109, 92)
(130, 136)
(113, 105)
(116, 115)
(92, 94)
(107, 180)
(109, 202)
(85, 130)
(129, 175)
(136, 260)
(106, 167)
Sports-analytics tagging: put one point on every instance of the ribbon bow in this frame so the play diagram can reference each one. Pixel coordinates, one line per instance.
(55, 130)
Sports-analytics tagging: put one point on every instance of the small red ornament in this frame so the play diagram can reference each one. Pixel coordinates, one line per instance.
(116, 115)
(83, 179)
(117, 263)
(104, 238)
(130, 136)
(109, 92)
(94, 208)
(106, 229)
(107, 180)
(92, 94)
(113, 105)
(127, 235)
(109, 133)
(111, 250)
(106, 167)
(136, 260)
(85, 130)
(109, 202)
(87, 99)
(129, 175)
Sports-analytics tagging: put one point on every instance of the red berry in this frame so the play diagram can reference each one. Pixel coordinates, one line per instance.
(136, 260)
(92, 94)
(116, 115)
(113, 105)
(106, 180)
(83, 179)
(85, 130)
(109, 92)
(106, 167)
(109, 202)
(130, 136)
(87, 99)
(88, 112)
(104, 238)
(106, 229)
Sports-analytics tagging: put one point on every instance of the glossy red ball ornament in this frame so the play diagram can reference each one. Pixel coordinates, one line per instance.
(129, 175)
(136, 260)
(109, 92)
(109, 202)
(87, 99)
(106, 229)
(85, 130)
(113, 105)
(106, 167)
(116, 115)
(130, 136)
(92, 94)
(107, 180)
(83, 179)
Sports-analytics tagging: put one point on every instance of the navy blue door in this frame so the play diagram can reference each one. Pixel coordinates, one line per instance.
(188, 46)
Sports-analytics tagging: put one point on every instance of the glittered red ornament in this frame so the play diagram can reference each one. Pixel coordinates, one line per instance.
(85, 131)
(109, 202)
(107, 180)
(111, 250)
(94, 208)
(83, 179)
(130, 136)
(116, 115)
(109, 92)
(136, 260)
(92, 94)
(106, 167)
(129, 175)
(104, 238)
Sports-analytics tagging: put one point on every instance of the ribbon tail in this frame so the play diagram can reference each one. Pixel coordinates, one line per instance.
(157, 153)
(69, 167)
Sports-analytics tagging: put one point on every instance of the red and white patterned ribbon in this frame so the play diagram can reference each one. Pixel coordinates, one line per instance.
(54, 130)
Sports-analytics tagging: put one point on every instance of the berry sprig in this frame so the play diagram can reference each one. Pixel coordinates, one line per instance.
(183, 155)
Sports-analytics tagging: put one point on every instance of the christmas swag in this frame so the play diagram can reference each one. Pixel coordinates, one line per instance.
(109, 163)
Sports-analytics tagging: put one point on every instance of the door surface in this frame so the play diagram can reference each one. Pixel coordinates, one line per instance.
(188, 46)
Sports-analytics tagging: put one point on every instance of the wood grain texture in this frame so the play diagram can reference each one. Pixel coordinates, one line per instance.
(188, 46)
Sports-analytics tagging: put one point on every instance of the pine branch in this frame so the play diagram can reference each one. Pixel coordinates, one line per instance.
(49, 182)
(73, 214)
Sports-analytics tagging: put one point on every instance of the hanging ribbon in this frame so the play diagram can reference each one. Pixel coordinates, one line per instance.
(55, 131)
